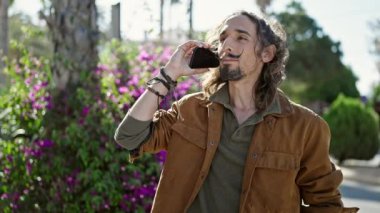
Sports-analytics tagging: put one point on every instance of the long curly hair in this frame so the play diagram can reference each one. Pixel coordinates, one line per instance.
(273, 73)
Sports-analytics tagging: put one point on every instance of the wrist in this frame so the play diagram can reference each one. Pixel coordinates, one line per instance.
(169, 79)
(170, 72)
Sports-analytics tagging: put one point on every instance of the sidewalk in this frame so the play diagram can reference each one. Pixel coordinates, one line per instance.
(362, 171)
(370, 175)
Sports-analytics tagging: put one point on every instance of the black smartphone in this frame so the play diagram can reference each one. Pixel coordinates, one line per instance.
(203, 58)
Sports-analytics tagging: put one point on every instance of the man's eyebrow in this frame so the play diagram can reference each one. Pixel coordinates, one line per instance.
(243, 31)
(237, 30)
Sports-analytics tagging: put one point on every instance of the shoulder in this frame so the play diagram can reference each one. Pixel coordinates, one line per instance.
(301, 113)
(193, 98)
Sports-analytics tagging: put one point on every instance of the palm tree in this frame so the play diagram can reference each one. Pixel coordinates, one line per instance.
(162, 3)
(190, 12)
(263, 4)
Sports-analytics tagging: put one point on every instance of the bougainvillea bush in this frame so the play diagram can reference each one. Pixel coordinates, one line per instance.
(69, 162)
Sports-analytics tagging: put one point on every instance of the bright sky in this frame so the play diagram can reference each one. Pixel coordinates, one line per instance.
(344, 20)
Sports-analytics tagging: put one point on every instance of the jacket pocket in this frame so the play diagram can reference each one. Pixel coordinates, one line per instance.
(278, 160)
(192, 135)
(274, 188)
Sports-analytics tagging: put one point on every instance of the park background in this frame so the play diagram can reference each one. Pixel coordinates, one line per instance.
(71, 69)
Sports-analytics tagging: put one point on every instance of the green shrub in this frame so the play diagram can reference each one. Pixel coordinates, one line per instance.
(354, 129)
(68, 161)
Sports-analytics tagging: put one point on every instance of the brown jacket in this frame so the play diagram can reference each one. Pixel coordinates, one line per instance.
(288, 160)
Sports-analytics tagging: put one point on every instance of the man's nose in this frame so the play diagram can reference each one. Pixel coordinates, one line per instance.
(226, 47)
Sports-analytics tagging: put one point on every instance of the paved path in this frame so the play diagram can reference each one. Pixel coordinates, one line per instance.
(362, 195)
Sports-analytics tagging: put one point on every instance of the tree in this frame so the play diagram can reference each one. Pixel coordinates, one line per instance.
(376, 41)
(4, 26)
(162, 4)
(315, 60)
(354, 129)
(3, 36)
(74, 31)
(190, 12)
(263, 5)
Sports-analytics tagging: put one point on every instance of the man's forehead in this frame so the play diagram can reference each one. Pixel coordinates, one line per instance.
(239, 23)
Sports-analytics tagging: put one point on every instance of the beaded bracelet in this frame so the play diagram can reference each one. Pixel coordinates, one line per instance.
(169, 80)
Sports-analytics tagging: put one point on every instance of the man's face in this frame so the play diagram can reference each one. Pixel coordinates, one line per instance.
(237, 49)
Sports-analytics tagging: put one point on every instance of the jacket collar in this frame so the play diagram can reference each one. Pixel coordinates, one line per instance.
(286, 106)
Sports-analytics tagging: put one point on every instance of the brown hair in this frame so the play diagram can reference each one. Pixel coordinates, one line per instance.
(273, 72)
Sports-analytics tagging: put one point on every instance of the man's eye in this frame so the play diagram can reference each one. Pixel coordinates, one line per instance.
(242, 38)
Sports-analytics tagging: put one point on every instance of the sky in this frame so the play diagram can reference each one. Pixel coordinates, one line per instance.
(346, 21)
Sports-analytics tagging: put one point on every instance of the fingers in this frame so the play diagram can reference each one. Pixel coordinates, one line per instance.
(190, 45)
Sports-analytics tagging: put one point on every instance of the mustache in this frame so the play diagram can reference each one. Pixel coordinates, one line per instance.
(230, 55)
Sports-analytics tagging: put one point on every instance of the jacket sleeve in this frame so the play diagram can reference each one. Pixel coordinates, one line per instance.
(159, 135)
(318, 180)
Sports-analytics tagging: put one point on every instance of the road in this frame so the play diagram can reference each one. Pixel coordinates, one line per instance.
(364, 196)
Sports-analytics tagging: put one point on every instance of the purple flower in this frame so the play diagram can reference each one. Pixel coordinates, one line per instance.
(144, 56)
(10, 158)
(166, 54)
(85, 111)
(32, 96)
(137, 92)
(161, 157)
(37, 87)
(37, 106)
(117, 81)
(27, 81)
(123, 90)
(7, 171)
(134, 81)
(44, 84)
(45, 143)
(4, 196)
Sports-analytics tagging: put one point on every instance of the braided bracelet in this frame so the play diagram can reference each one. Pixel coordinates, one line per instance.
(169, 80)
(156, 80)
(155, 92)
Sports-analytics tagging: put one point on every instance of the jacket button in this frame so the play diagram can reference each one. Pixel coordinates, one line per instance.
(254, 155)
(212, 143)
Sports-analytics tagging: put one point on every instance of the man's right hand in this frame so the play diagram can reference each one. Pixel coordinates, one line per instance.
(178, 64)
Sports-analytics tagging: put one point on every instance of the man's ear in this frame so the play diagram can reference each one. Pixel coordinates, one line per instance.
(268, 53)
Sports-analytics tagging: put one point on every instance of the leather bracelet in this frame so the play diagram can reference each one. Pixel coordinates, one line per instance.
(169, 80)
(158, 80)
(155, 92)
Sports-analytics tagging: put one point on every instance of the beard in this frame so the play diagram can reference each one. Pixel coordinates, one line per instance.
(228, 74)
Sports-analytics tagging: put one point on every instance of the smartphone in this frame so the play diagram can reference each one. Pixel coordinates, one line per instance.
(203, 58)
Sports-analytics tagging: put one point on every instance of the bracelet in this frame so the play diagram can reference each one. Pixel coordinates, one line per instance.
(156, 80)
(169, 80)
(155, 92)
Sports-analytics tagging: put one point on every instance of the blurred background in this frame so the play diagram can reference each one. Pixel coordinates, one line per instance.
(70, 70)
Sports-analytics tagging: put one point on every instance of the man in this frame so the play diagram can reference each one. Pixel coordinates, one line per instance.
(240, 145)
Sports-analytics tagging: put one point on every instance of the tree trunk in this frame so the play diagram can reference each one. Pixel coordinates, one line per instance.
(4, 26)
(3, 36)
(74, 30)
(161, 19)
(263, 4)
(190, 11)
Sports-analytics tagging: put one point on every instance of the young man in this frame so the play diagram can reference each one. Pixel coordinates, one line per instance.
(240, 145)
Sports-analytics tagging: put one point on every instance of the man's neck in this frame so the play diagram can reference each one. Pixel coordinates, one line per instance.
(242, 95)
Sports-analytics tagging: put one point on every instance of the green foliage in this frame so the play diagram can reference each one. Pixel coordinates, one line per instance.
(64, 158)
(354, 129)
(314, 59)
(24, 33)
